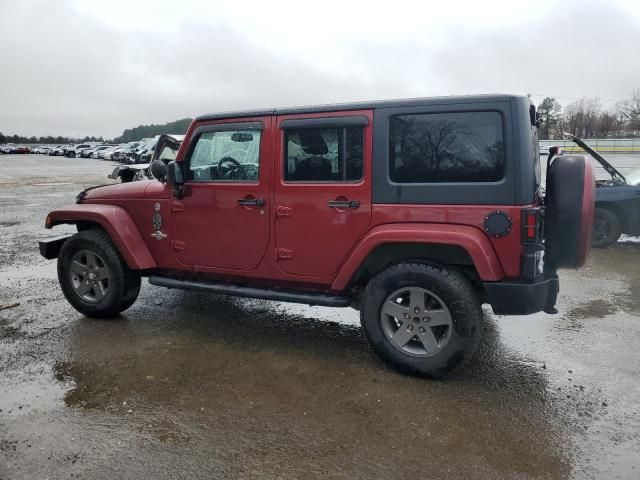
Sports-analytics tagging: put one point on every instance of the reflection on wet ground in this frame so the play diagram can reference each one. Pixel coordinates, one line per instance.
(192, 385)
(293, 392)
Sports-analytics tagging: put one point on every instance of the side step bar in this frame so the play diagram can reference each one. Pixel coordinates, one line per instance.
(252, 292)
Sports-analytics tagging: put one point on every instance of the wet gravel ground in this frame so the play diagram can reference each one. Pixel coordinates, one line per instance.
(188, 385)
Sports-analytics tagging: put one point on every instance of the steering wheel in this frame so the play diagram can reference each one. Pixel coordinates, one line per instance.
(233, 172)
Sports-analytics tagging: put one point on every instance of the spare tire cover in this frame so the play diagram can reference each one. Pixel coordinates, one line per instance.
(570, 202)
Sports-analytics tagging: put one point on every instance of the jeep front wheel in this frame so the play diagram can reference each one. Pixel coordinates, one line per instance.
(422, 319)
(93, 276)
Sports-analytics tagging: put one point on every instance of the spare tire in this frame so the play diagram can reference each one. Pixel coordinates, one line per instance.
(570, 202)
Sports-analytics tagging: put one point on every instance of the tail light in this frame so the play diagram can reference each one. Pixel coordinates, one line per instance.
(532, 226)
(532, 233)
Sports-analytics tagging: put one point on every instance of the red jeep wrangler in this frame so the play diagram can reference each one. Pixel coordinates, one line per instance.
(415, 212)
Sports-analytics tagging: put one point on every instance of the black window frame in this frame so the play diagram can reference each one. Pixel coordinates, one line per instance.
(221, 127)
(502, 192)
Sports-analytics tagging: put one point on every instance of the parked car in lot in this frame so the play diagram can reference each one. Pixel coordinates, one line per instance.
(21, 149)
(346, 205)
(86, 153)
(94, 152)
(143, 152)
(617, 201)
(124, 153)
(56, 151)
(167, 149)
(118, 151)
(6, 149)
(106, 153)
(75, 150)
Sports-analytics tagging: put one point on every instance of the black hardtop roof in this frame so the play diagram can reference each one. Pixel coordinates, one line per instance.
(338, 107)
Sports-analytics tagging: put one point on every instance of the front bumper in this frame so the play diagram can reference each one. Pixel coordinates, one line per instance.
(513, 297)
(50, 247)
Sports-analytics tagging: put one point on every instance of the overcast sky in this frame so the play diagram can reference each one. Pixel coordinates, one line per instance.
(92, 67)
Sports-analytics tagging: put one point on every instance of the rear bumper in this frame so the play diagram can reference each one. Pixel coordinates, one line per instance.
(50, 248)
(523, 298)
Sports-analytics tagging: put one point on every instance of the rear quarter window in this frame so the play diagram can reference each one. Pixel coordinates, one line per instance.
(446, 147)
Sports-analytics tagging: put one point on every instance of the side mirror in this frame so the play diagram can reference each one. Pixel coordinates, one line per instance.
(174, 174)
(158, 170)
(175, 178)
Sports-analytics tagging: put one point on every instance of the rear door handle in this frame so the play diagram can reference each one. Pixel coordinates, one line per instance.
(344, 204)
(251, 201)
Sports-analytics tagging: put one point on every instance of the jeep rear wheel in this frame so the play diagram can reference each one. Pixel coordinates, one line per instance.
(93, 276)
(422, 319)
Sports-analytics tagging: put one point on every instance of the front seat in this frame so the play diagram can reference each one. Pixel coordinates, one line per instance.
(315, 167)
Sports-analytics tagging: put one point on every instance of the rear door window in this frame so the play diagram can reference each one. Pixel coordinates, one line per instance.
(446, 147)
(323, 154)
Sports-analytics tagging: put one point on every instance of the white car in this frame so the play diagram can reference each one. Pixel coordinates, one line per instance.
(56, 151)
(106, 153)
(75, 150)
(93, 153)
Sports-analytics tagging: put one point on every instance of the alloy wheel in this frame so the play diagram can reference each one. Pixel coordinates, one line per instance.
(416, 321)
(89, 276)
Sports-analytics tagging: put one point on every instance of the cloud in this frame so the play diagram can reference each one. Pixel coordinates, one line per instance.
(68, 71)
(584, 49)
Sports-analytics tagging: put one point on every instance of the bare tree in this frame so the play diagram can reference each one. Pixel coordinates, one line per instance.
(629, 110)
(581, 117)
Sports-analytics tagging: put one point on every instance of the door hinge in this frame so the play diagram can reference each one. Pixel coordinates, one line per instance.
(282, 211)
(284, 254)
(176, 207)
(179, 245)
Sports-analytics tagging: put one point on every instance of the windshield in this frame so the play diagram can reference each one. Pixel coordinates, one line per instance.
(634, 178)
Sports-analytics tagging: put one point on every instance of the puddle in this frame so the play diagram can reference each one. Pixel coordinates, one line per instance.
(32, 389)
(598, 308)
(46, 270)
(53, 184)
(9, 224)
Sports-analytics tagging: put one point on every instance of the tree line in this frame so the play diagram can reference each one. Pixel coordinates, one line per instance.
(48, 140)
(587, 118)
(177, 127)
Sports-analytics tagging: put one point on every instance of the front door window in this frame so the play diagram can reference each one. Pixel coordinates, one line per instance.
(229, 156)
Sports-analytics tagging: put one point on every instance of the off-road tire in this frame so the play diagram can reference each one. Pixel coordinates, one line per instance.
(568, 219)
(457, 294)
(613, 225)
(124, 283)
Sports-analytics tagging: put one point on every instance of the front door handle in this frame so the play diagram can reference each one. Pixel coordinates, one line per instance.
(251, 201)
(344, 204)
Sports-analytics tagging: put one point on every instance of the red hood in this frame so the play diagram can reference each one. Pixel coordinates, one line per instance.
(128, 191)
